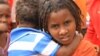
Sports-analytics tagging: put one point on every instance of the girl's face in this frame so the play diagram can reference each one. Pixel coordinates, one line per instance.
(4, 13)
(62, 27)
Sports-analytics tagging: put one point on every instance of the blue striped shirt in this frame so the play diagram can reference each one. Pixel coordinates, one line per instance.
(28, 42)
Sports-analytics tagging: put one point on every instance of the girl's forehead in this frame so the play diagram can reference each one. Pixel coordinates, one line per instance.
(4, 6)
(61, 14)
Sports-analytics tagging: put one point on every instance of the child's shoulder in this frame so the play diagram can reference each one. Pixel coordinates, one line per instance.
(86, 48)
(86, 44)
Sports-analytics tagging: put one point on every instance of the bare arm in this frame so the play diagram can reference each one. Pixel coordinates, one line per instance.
(69, 49)
(7, 45)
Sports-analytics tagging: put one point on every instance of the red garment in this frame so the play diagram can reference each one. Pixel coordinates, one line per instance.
(86, 48)
(10, 3)
(93, 31)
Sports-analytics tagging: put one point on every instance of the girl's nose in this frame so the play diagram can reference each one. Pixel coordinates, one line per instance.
(63, 31)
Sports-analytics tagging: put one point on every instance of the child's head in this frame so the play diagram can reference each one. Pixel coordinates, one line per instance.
(4, 11)
(26, 12)
(60, 18)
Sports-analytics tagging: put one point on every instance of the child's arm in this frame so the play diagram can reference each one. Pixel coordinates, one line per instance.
(7, 45)
(69, 49)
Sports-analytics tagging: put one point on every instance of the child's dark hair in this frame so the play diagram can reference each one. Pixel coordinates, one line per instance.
(48, 6)
(3, 2)
(27, 11)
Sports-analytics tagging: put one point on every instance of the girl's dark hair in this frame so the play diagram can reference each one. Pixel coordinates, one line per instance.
(48, 6)
(27, 11)
(3, 2)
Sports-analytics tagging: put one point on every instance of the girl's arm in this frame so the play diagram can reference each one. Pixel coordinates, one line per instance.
(69, 49)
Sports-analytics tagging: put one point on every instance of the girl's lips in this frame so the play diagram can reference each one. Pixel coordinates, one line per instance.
(65, 39)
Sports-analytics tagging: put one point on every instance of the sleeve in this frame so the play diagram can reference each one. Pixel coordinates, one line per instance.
(89, 49)
(46, 46)
(86, 48)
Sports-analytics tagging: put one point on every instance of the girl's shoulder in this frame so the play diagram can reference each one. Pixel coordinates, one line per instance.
(86, 48)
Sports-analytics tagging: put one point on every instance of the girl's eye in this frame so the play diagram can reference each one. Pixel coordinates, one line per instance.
(67, 23)
(7, 16)
(55, 26)
(1, 15)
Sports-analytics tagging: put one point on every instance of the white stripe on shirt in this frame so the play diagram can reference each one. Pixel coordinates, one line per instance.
(25, 45)
(50, 48)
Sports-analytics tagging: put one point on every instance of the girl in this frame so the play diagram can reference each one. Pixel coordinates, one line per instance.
(26, 39)
(61, 19)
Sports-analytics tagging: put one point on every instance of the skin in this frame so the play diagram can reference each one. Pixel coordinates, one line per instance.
(4, 13)
(3, 33)
(61, 25)
(4, 20)
(3, 37)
